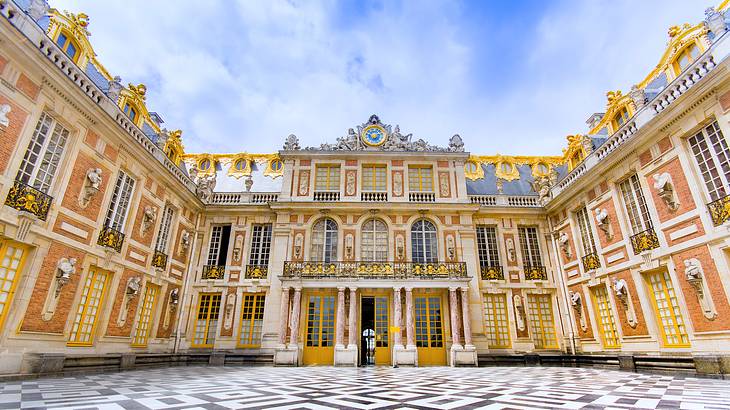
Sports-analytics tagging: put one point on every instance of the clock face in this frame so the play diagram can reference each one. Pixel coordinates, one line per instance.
(373, 135)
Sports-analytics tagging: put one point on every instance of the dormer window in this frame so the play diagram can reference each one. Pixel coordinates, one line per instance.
(620, 118)
(576, 160)
(68, 46)
(130, 111)
(685, 58)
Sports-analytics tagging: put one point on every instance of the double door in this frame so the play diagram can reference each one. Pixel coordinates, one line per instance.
(319, 343)
(429, 331)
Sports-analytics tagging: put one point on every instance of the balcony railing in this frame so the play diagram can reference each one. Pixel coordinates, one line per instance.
(422, 197)
(375, 270)
(159, 260)
(111, 238)
(214, 271)
(327, 196)
(535, 273)
(24, 197)
(591, 262)
(256, 271)
(491, 272)
(720, 210)
(488, 200)
(374, 196)
(644, 241)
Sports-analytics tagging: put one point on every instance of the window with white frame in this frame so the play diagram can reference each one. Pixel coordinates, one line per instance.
(374, 244)
(260, 244)
(529, 245)
(324, 241)
(710, 150)
(163, 235)
(635, 204)
(43, 156)
(116, 216)
(487, 245)
(218, 248)
(424, 244)
(586, 234)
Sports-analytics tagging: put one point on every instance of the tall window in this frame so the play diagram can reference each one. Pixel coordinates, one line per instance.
(635, 204)
(424, 245)
(712, 155)
(87, 313)
(43, 155)
(373, 178)
(420, 178)
(252, 319)
(487, 245)
(324, 241)
(606, 322)
(541, 321)
(529, 245)
(327, 178)
(218, 248)
(260, 245)
(374, 245)
(496, 321)
(68, 46)
(12, 258)
(586, 234)
(116, 216)
(163, 236)
(207, 320)
(666, 307)
(144, 318)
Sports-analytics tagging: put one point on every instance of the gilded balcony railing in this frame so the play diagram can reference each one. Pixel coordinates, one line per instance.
(491, 272)
(644, 241)
(111, 238)
(591, 262)
(720, 210)
(256, 271)
(159, 260)
(24, 197)
(535, 273)
(214, 271)
(375, 270)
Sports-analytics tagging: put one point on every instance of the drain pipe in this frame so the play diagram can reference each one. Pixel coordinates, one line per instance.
(563, 287)
(186, 280)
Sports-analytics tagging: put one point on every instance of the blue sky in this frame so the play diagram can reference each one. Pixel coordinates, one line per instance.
(511, 77)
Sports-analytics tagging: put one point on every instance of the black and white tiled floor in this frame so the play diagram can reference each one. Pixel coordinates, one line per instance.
(372, 388)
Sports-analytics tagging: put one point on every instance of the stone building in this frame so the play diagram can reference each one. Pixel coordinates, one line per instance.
(117, 248)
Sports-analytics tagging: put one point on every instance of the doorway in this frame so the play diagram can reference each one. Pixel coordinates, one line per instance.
(374, 343)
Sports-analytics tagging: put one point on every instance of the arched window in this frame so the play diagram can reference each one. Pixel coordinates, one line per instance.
(324, 241)
(685, 58)
(68, 46)
(424, 246)
(374, 246)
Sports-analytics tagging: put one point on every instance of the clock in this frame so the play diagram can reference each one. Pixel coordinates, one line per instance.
(373, 135)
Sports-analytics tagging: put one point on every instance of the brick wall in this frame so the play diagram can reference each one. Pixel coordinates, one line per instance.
(28, 87)
(113, 328)
(681, 191)
(9, 135)
(77, 182)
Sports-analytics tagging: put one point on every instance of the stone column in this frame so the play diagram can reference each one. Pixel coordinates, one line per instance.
(465, 314)
(410, 337)
(352, 343)
(283, 316)
(295, 316)
(397, 339)
(340, 319)
(454, 314)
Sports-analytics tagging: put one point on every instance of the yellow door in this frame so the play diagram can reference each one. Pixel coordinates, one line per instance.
(429, 331)
(319, 346)
(382, 345)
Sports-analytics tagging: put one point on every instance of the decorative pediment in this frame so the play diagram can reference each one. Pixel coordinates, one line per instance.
(75, 26)
(617, 104)
(506, 166)
(680, 37)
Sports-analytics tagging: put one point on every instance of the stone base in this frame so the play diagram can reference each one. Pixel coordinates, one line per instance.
(42, 363)
(346, 356)
(286, 356)
(463, 356)
(405, 356)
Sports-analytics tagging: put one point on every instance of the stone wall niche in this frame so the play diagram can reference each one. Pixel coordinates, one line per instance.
(65, 268)
(621, 290)
(696, 277)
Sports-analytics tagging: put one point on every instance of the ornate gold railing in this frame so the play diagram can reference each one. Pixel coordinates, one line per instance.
(535, 273)
(24, 197)
(214, 271)
(256, 271)
(491, 272)
(720, 210)
(159, 260)
(375, 270)
(644, 241)
(111, 238)
(591, 262)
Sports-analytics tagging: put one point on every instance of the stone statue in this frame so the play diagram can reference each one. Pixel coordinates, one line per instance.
(184, 242)
(148, 218)
(134, 284)
(64, 269)
(564, 241)
(205, 188)
(604, 222)
(638, 96)
(115, 88)
(38, 9)
(249, 183)
(94, 177)
(665, 190)
(692, 269)
(456, 144)
(91, 187)
(575, 300)
(695, 276)
(174, 297)
(715, 21)
(542, 187)
(620, 288)
(291, 143)
(4, 111)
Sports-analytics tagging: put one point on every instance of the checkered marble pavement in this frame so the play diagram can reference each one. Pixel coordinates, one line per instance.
(367, 388)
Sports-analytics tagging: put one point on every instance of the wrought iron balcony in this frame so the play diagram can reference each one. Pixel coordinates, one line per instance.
(535, 273)
(375, 270)
(720, 210)
(24, 197)
(256, 271)
(591, 262)
(491, 272)
(214, 271)
(644, 241)
(159, 260)
(111, 238)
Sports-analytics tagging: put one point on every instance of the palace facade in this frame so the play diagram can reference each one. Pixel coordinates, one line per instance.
(376, 249)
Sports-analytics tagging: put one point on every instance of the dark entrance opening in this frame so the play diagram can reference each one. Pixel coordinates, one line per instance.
(367, 331)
